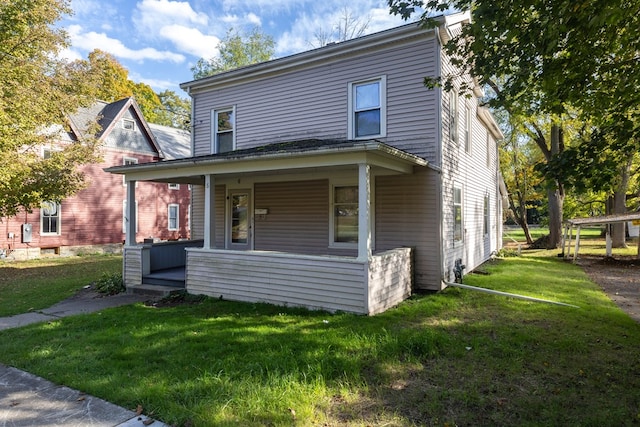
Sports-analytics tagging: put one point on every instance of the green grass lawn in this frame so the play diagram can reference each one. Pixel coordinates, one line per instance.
(454, 358)
(37, 284)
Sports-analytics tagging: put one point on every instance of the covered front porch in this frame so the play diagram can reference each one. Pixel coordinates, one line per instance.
(250, 250)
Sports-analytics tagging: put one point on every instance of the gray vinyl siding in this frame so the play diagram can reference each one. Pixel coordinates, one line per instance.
(468, 171)
(197, 213)
(311, 102)
(298, 218)
(308, 281)
(132, 268)
(408, 215)
(390, 279)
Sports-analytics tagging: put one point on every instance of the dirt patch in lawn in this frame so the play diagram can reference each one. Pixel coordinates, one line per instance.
(618, 277)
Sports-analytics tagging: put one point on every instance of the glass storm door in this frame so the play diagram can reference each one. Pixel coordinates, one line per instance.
(240, 219)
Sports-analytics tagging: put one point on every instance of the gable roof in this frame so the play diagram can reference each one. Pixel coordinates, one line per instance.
(108, 116)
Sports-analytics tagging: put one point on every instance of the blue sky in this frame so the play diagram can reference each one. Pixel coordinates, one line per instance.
(159, 41)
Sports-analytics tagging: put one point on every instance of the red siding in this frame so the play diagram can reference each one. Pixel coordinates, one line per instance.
(94, 215)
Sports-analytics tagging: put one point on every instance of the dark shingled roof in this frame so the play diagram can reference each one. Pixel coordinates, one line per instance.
(298, 146)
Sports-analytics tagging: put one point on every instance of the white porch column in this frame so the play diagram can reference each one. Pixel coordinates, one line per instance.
(130, 236)
(209, 212)
(364, 212)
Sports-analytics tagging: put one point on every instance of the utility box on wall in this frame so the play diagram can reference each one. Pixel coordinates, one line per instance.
(26, 233)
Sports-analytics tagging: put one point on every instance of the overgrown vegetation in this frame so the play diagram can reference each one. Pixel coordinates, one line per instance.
(110, 284)
(454, 358)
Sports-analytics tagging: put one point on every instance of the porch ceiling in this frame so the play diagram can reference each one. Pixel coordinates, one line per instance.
(280, 158)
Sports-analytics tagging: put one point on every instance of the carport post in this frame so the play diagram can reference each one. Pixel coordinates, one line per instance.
(575, 254)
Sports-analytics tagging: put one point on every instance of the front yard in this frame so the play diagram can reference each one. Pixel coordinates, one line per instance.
(454, 358)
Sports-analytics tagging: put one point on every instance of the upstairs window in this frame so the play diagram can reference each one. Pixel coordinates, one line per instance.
(174, 186)
(453, 117)
(174, 215)
(128, 161)
(223, 130)
(467, 128)
(367, 108)
(128, 124)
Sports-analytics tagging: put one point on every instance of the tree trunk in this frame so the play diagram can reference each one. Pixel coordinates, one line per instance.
(556, 193)
(556, 202)
(618, 235)
(520, 215)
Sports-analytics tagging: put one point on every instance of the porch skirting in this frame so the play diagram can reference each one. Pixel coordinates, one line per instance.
(316, 282)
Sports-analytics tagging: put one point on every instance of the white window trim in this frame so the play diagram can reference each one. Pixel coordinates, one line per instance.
(453, 205)
(173, 186)
(131, 121)
(177, 207)
(468, 140)
(453, 117)
(351, 126)
(332, 234)
(488, 147)
(214, 126)
(132, 161)
(486, 215)
(57, 233)
(124, 217)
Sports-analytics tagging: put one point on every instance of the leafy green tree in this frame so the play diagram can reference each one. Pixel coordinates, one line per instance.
(236, 50)
(165, 108)
(38, 91)
(554, 57)
(175, 111)
(518, 157)
(113, 77)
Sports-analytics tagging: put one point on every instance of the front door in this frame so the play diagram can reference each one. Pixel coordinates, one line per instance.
(240, 219)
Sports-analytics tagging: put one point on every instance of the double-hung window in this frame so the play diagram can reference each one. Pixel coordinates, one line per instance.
(174, 217)
(457, 215)
(50, 218)
(453, 117)
(128, 161)
(223, 130)
(467, 128)
(485, 215)
(344, 215)
(367, 108)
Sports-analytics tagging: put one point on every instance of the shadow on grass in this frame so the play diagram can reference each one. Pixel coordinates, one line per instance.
(455, 357)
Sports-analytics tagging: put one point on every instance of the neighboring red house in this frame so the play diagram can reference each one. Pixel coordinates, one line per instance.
(94, 219)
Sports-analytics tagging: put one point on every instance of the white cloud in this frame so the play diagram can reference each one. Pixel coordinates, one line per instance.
(151, 15)
(91, 40)
(254, 19)
(191, 40)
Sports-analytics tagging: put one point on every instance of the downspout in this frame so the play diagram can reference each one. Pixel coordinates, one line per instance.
(193, 150)
(440, 161)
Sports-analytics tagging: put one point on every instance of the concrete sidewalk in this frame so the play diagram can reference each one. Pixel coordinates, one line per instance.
(28, 400)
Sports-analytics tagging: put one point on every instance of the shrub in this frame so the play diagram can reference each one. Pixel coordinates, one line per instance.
(110, 284)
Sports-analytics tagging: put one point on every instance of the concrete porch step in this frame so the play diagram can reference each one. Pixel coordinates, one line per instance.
(153, 290)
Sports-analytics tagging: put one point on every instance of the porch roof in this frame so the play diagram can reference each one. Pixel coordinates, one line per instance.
(284, 156)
